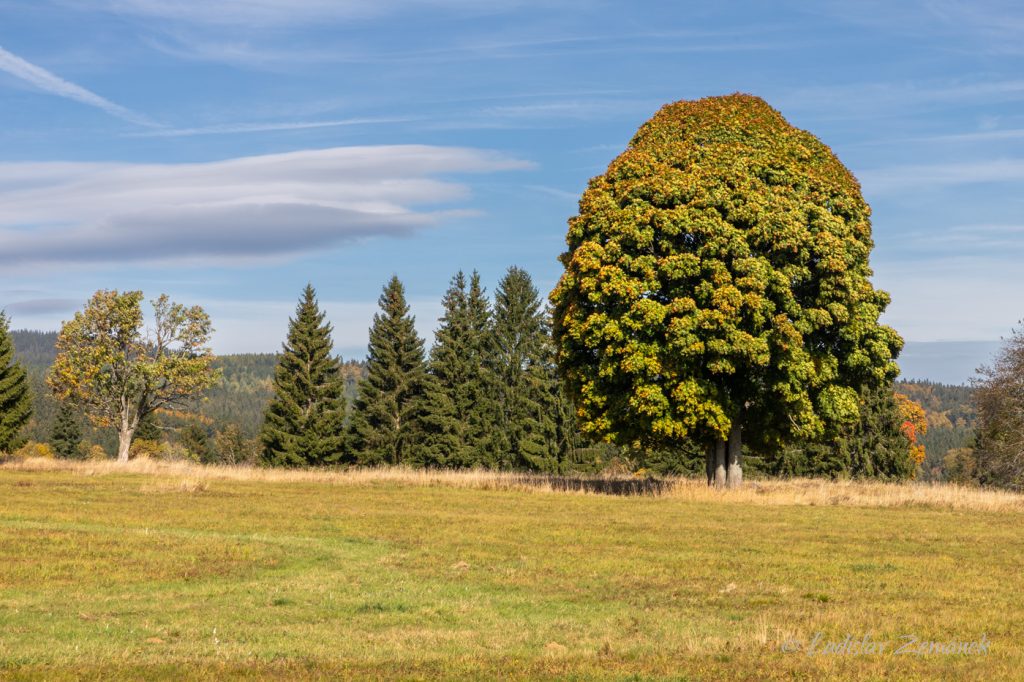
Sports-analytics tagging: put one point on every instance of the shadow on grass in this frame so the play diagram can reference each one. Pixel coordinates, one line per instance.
(604, 486)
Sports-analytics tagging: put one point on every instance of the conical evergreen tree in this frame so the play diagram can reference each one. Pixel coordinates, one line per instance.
(67, 433)
(482, 391)
(459, 361)
(304, 423)
(149, 429)
(390, 402)
(526, 382)
(196, 440)
(15, 399)
(435, 436)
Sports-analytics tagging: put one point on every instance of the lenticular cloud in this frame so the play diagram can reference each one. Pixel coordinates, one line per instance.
(244, 208)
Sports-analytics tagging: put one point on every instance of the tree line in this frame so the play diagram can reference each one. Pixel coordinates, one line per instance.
(715, 314)
(486, 395)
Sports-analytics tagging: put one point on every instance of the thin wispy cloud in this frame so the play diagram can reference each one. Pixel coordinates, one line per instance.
(885, 99)
(976, 136)
(230, 211)
(985, 26)
(941, 175)
(998, 243)
(543, 114)
(263, 52)
(240, 128)
(55, 85)
(275, 13)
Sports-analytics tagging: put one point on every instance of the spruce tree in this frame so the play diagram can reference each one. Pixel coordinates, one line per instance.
(874, 446)
(15, 399)
(482, 406)
(526, 383)
(435, 436)
(304, 423)
(149, 429)
(388, 418)
(459, 361)
(196, 440)
(67, 433)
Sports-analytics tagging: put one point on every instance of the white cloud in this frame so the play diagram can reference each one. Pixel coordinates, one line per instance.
(55, 85)
(226, 211)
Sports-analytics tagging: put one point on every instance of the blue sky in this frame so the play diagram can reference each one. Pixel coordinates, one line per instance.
(228, 152)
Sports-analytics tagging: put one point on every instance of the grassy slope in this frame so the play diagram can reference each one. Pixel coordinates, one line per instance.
(129, 575)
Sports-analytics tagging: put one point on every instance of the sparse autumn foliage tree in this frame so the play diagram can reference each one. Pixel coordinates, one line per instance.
(232, 447)
(998, 458)
(959, 466)
(119, 372)
(15, 398)
(717, 283)
(914, 424)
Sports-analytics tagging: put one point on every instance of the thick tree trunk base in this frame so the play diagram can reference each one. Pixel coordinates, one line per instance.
(124, 445)
(734, 474)
(723, 464)
(720, 464)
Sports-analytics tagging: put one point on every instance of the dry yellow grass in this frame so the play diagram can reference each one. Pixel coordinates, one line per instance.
(191, 477)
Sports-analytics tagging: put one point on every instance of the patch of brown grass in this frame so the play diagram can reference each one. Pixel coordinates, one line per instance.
(190, 477)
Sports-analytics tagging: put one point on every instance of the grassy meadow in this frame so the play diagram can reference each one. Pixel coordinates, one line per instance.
(168, 571)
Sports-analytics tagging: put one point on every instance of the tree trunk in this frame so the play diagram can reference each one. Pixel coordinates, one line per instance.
(124, 443)
(735, 472)
(720, 464)
(709, 463)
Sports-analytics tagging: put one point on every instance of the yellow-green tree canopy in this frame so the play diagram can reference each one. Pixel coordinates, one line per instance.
(718, 273)
(119, 373)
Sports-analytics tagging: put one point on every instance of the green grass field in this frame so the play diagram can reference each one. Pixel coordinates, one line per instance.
(107, 574)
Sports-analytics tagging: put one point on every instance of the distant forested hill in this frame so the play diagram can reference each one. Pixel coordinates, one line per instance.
(951, 415)
(239, 398)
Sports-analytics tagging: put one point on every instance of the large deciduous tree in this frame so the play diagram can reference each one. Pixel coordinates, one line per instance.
(387, 418)
(717, 282)
(119, 372)
(305, 421)
(15, 398)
